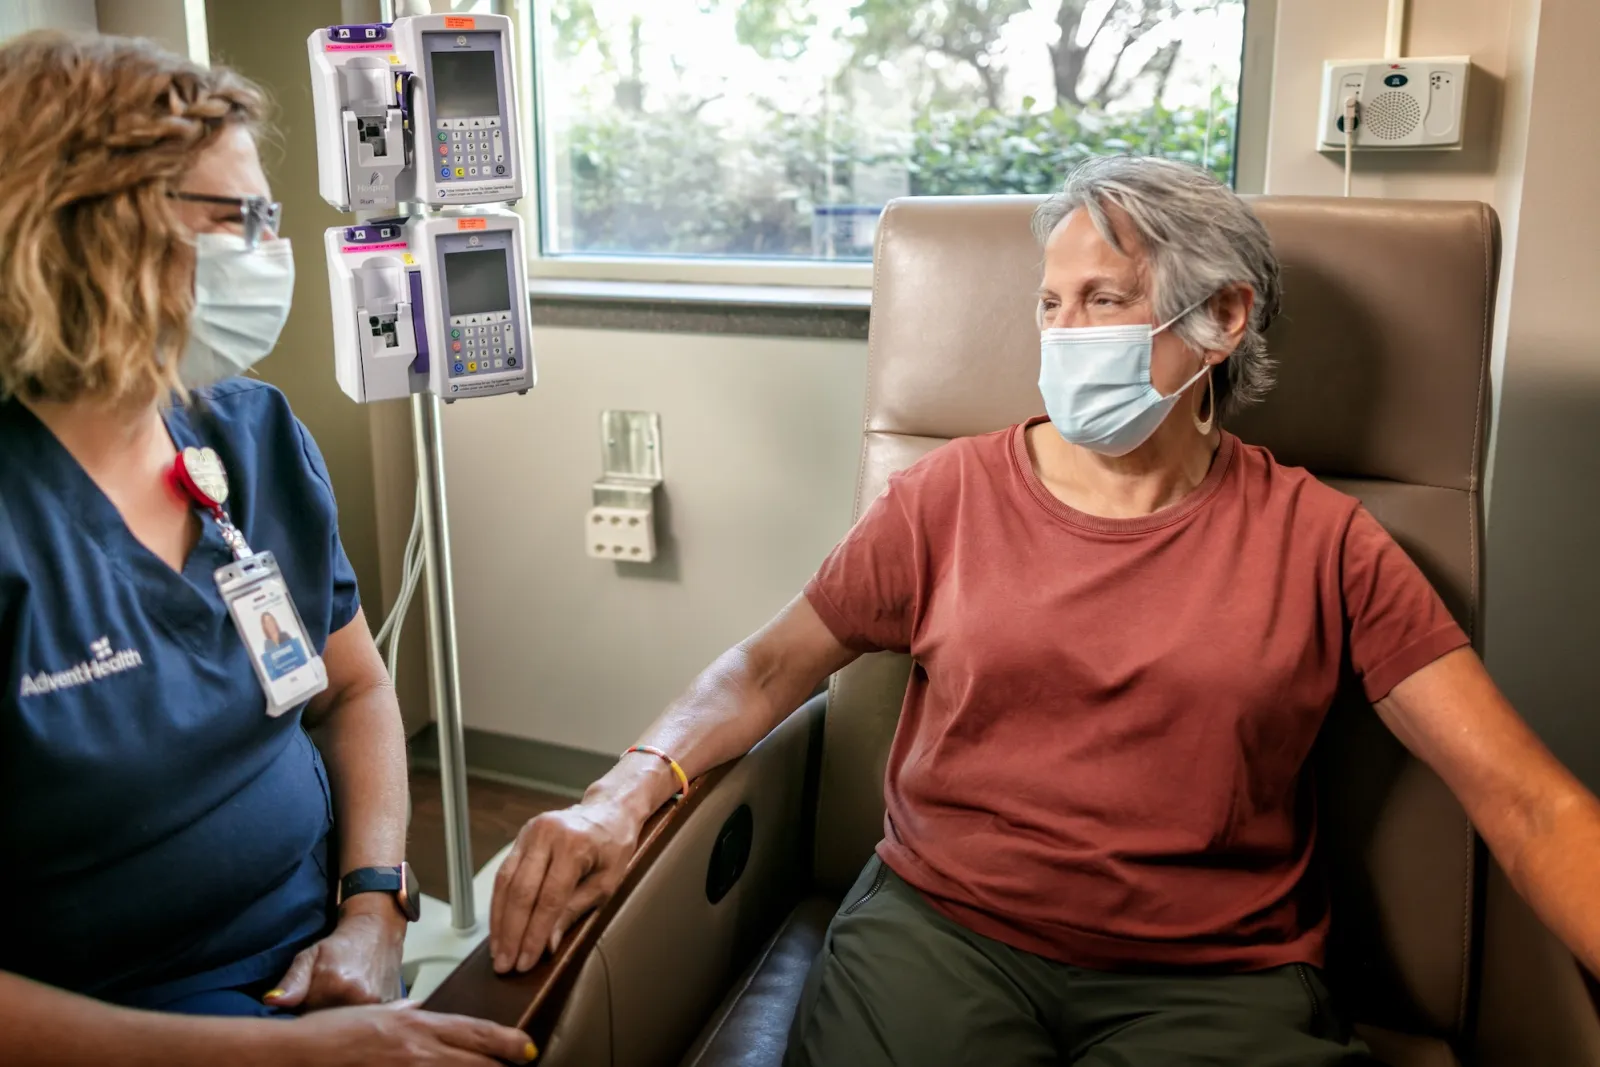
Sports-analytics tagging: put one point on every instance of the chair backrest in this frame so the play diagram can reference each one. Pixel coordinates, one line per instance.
(1383, 345)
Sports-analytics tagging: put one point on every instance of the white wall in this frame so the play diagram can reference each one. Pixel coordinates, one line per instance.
(20, 16)
(760, 443)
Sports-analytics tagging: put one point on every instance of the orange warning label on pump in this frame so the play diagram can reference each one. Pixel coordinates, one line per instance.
(472, 224)
(459, 22)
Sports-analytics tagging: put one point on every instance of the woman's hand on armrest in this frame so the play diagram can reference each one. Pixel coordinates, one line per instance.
(565, 863)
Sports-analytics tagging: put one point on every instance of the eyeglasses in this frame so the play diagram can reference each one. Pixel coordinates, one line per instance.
(257, 214)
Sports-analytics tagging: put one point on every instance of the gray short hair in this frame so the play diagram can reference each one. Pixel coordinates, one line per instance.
(1200, 237)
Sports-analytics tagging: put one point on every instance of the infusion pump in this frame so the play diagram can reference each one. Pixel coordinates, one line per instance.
(430, 303)
(420, 109)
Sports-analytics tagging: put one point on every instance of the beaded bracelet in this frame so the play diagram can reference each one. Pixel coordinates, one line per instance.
(683, 779)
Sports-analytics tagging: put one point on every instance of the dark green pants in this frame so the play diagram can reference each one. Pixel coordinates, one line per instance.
(899, 984)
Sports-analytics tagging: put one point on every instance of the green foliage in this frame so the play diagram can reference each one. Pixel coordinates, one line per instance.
(994, 152)
(965, 31)
(675, 184)
(773, 29)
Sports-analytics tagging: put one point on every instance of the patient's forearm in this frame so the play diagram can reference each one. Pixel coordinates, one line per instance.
(734, 703)
(45, 1027)
(720, 717)
(1553, 860)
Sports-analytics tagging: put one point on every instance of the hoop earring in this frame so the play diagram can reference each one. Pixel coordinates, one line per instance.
(1204, 426)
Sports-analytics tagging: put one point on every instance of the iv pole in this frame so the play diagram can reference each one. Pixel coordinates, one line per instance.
(443, 652)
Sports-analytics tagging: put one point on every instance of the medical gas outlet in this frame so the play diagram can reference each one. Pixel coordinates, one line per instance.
(621, 525)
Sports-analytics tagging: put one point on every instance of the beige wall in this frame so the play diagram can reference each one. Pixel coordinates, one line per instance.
(177, 24)
(760, 439)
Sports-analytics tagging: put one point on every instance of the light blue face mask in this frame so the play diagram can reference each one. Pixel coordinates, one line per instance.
(1096, 384)
(241, 301)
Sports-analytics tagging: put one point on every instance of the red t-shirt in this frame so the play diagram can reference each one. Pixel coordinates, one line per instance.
(1099, 755)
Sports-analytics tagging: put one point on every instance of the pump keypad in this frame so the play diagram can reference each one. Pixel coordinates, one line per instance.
(471, 149)
(480, 343)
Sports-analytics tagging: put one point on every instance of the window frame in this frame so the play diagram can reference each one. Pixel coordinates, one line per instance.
(1254, 118)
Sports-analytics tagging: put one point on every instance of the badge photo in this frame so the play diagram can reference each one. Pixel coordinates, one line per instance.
(284, 659)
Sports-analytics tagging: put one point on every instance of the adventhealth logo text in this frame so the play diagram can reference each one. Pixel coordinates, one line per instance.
(102, 664)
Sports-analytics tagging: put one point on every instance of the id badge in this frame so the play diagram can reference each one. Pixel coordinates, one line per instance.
(285, 661)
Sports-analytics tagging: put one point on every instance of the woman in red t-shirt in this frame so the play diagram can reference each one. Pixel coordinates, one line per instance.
(1128, 626)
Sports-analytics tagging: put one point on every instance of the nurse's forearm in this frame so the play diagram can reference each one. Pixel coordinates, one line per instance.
(45, 1027)
(356, 721)
(364, 745)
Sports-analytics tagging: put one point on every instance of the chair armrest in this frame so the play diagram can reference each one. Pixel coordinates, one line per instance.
(475, 988)
(663, 898)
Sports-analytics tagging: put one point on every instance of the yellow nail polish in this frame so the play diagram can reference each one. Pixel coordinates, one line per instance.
(273, 994)
(530, 1052)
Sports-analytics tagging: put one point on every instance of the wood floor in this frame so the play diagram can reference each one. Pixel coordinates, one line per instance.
(496, 812)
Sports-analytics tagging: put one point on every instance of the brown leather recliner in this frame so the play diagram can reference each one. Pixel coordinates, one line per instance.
(1383, 345)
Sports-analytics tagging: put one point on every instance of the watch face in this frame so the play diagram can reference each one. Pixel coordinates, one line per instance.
(409, 895)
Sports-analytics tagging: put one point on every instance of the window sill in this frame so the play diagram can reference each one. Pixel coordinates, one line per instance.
(680, 307)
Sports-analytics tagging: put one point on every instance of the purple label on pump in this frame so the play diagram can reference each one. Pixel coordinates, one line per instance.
(419, 323)
(377, 232)
(357, 32)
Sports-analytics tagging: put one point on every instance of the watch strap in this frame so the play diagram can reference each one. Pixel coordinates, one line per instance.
(399, 882)
(370, 880)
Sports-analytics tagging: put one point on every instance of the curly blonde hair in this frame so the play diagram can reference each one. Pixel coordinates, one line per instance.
(96, 269)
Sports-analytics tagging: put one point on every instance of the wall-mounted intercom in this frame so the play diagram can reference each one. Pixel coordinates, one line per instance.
(1401, 103)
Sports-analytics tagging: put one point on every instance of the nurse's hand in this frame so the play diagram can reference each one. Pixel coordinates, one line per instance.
(359, 963)
(400, 1035)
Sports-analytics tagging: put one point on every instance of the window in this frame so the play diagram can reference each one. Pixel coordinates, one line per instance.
(780, 128)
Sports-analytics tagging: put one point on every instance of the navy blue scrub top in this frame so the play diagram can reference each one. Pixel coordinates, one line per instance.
(160, 834)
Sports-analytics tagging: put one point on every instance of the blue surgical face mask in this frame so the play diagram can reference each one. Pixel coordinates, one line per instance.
(1097, 388)
(241, 301)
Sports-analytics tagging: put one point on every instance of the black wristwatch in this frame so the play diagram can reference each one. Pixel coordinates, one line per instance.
(396, 880)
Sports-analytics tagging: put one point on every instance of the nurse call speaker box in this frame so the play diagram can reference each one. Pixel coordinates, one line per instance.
(1403, 103)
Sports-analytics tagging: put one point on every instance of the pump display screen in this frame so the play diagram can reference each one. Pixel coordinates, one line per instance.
(465, 85)
(476, 282)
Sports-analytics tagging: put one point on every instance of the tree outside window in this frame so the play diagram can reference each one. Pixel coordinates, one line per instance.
(780, 128)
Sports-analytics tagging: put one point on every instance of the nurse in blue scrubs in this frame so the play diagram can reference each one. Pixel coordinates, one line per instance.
(172, 851)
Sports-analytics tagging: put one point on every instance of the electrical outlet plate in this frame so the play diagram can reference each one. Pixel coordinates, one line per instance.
(1406, 104)
(627, 535)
